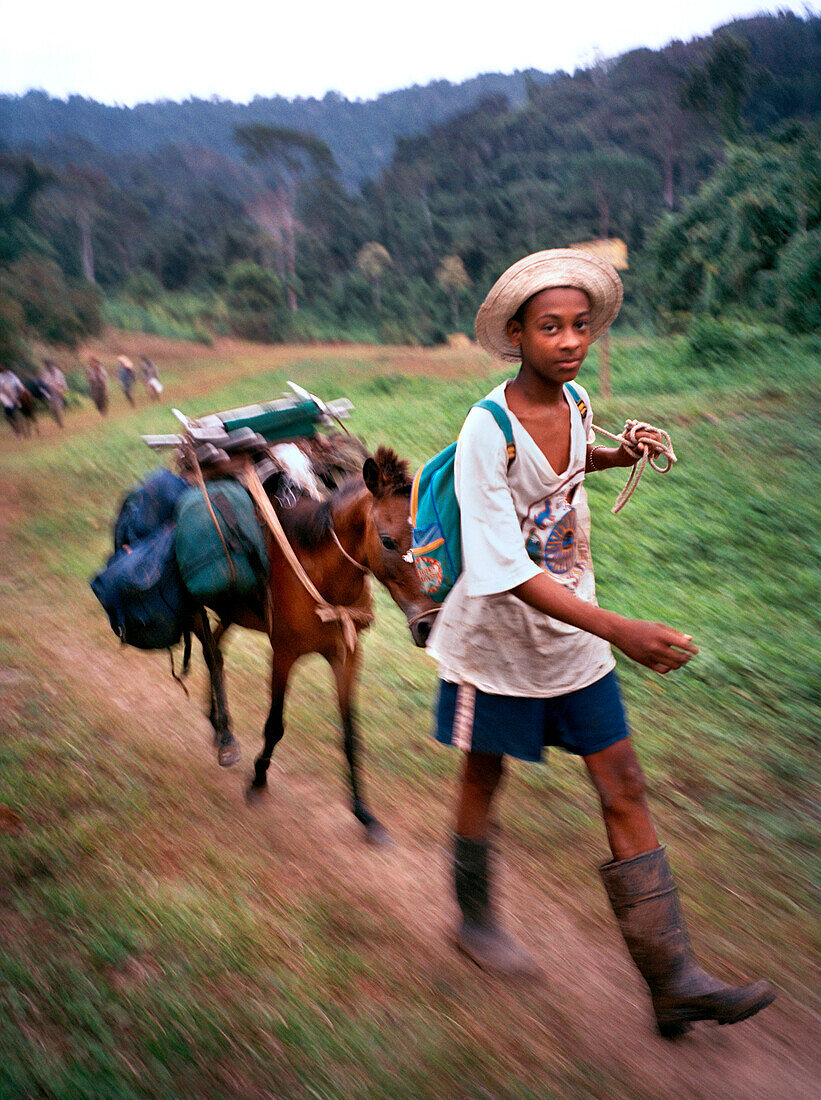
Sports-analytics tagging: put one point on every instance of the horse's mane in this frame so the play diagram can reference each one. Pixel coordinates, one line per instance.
(394, 471)
(309, 522)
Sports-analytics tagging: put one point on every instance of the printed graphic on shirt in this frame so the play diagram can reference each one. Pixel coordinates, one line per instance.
(555, 541)
(560, 548)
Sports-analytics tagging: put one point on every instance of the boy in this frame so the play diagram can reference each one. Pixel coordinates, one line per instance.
(524, 649)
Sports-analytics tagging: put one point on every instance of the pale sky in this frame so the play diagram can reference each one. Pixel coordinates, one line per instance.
(165, 49)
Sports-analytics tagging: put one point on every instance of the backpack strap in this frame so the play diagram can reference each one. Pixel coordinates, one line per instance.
(577, 397)
(503, 420)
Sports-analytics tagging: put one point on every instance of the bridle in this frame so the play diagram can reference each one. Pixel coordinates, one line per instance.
(423, 615)
(407, 557)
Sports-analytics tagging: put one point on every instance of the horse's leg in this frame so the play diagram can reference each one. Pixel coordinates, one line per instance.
(227, 748)
(344, 668)
(280, 670)
(196, 629)
(218, 633)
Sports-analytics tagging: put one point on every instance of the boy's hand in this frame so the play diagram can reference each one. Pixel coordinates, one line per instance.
(646, 440)
(654, 645)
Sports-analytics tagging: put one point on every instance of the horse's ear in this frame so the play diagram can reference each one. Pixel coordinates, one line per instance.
(370, 472)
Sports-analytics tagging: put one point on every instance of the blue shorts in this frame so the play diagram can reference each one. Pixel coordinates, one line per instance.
(581, 722)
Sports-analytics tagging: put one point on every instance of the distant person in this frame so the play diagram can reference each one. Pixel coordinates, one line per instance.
(127, 376)
(54, 381)
(11, 393)
(97, 377)
(151, 378)
(524, 649)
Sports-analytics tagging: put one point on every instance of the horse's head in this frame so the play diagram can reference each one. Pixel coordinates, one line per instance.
(387, 550)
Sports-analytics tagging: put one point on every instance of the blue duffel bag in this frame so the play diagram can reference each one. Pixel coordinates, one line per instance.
(147, 507)
(140, 586)
(143, 594)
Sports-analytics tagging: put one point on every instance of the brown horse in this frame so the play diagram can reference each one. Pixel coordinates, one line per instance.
(362, 529)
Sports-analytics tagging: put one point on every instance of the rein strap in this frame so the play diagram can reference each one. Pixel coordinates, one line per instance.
(345, 553)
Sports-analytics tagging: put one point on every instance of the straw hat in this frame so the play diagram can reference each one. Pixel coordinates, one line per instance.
(539, 271)
(124, 361)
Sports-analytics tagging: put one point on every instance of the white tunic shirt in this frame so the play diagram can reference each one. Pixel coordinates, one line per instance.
(518, 522)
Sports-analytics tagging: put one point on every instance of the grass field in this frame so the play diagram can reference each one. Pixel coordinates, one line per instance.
(159, 938)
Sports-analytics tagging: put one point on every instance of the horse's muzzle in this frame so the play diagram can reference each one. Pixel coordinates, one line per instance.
(421, 626)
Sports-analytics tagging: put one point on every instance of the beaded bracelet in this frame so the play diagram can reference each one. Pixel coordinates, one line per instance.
(593, 465)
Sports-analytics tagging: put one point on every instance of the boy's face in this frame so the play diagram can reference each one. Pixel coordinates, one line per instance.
(554, 333)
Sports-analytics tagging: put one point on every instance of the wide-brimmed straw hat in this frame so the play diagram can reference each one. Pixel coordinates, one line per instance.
(539, 271)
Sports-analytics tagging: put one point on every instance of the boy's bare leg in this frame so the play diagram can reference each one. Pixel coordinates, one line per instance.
(620, 784)
(481, 776)
(644, 898)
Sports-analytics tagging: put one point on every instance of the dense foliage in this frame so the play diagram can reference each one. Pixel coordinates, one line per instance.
(36, 298)
(749, 237)
(702, 156)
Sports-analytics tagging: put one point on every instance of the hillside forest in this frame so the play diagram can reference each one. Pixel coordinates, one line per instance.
(388, 221)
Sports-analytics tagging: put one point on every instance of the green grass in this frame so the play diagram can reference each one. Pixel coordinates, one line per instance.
(152, 945)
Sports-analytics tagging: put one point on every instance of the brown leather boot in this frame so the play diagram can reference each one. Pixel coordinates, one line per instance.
(480, 935)
(644, 898)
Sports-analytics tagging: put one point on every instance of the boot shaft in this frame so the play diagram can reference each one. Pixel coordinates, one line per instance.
(644, 898)
(471, 878)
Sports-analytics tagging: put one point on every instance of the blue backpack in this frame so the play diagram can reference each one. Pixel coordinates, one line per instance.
(436, 543)
(147, 507)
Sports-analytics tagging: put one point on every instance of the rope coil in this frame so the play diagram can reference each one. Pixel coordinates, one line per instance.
(643, 450)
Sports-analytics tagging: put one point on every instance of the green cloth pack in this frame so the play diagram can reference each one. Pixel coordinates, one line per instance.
(201, 556)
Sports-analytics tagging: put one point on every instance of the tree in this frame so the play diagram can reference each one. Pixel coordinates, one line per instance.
(746, 237)
(613, 181)
(22, 180)
(34, 295)
(799, 282)
(373, 260)
(55, 310)
(12, 321)
(77, 197)
(719, 87)
(256, 302)
(644, 111)
(453, 279)
(283, 157)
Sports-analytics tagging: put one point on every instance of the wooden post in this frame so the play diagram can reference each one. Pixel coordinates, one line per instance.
(614, 251)
(604, 365)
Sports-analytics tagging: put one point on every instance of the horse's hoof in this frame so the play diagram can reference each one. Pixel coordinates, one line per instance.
(253, 795)
(378, 835)
(228, 754)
